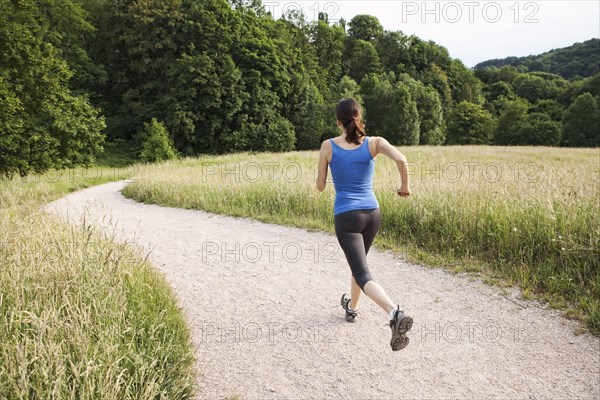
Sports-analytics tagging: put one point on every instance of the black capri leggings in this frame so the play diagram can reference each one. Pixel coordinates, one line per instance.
(356, 230)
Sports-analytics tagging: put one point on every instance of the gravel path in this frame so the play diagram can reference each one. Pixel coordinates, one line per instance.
(263, 304)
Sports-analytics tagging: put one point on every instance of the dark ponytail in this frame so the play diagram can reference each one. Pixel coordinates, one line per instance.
(349, 113)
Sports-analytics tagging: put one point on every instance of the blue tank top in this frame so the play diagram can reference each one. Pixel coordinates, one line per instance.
(352, 172)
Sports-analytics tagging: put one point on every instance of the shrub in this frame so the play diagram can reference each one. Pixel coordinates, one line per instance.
(470, 123)
(157, 145)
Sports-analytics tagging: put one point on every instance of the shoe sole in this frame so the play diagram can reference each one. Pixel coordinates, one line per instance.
(399, 338)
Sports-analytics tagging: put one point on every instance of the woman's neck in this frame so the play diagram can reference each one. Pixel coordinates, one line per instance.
(345, 136)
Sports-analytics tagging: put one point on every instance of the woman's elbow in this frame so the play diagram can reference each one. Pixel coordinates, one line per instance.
(320, 186)
(400, 158)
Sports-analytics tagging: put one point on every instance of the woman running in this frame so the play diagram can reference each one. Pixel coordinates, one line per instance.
(356, 210)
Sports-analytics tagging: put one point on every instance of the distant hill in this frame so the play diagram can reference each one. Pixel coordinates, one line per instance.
(579, 60)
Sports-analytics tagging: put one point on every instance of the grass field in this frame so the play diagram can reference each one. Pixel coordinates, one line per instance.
(81, 316)
(527, 216)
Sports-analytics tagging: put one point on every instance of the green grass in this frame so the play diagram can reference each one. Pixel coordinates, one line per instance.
(526, 216)
(81, 316)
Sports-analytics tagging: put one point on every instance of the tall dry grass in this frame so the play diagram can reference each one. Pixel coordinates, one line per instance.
(82, 316)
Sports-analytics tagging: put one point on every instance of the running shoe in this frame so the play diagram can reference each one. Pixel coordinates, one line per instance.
(400, 324)
(350, 313)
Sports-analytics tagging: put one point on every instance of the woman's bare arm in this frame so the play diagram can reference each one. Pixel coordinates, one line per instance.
(323, 165)
(384, 147)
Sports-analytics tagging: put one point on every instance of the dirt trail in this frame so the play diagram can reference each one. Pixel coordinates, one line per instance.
(263, 304)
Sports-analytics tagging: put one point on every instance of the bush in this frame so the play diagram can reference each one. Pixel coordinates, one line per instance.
(470, 123)
(580, 122)
(276, 133)
(540, 130)
(157, 145)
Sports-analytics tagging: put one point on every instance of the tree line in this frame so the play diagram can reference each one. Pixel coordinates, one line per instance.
(578, 61)
(193, 77)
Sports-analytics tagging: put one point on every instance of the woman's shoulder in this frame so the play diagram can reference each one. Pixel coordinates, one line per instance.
(377, 140)
(374, 144)
(326, 143)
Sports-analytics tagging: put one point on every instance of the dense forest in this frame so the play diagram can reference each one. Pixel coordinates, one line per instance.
(578, 61)
(210, 76)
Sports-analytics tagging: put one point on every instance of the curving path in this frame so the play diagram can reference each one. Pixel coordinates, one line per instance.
(262, 302)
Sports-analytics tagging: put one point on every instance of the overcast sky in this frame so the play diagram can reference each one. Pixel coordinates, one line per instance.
(473, 31)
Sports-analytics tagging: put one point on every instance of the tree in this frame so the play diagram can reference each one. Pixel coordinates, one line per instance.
(202, 104)
(580, 123)
(328, 43)
(532, 87)
(360, 59)
(365, 27)
(539, 130)
(469, 123)
(497, 95)
(44, 124)
(308, 117)
(591, 85)
(431, 117)
(416, 56)
(521, 124)
(392, 112)
(513, 117)
(12, 138)
(304, 105)
(580, 59)
(152, 41)
(296, 17)
(437, 78)
(464, 84)
(550, 107)
(497, 89)
(391, 47)
(346, 87)
(218, 77)
(493, 74)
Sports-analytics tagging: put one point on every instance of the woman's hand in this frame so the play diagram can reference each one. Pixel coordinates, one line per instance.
(384, 147)
(403, 191)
